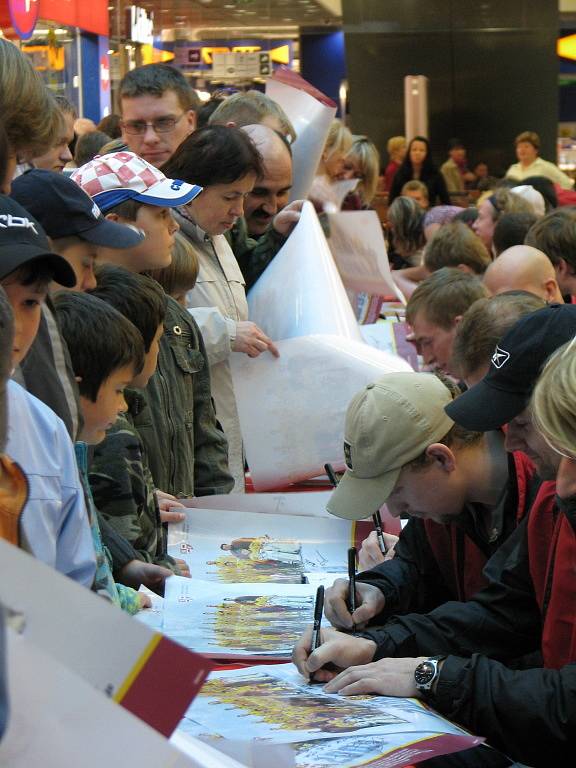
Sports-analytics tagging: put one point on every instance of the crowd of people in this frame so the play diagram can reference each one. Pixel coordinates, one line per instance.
(126, 250)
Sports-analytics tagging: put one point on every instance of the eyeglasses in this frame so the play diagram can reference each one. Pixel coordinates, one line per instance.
(159, 125)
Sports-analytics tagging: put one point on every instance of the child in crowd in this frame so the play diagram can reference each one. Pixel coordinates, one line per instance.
(107, 353)
(180, 276)
(186, 450)
(54, 523)
(120, 478)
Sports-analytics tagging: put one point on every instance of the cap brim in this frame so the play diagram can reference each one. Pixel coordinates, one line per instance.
(169, 193)
(111, 235)
(15, 256)
(483, 408)
(356, 498)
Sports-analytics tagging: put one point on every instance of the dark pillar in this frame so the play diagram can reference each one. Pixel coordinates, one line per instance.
(492, 70)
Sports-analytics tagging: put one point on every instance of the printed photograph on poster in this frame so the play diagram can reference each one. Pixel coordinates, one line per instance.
(237, 620)
(251, 547)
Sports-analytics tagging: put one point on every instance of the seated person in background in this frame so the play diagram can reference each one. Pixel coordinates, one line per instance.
(523, 268)
(54, 522)
(88, 146)
(463, 494)
(181, 274)
(481, 328)
(252, 108)
(362, 163)
(120, 479)
(406, 225)
(435, 309)
(455, 170)
(455, 245)
(492, 208)
(527, 145)
(417, 191)
(510, 230)
(396, 148)
(418, 164)
(555, 235)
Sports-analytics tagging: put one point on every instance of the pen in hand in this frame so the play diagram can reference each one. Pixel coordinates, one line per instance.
(377, 520)
(352, 579)
(318, 611)
(331, 475)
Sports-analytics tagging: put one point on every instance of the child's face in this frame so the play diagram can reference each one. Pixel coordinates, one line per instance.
(26, 302)
(101, 415)
(155, 251)
(81, 257)
(150, 361)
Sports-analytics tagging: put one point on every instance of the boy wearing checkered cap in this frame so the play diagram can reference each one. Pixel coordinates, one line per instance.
(187, 451)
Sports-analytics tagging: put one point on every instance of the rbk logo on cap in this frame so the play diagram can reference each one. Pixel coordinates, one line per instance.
(500, 357)
(348, 455)
(7, 221)
(96, 212)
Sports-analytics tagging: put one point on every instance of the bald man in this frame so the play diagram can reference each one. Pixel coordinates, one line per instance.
(523, 268)
(268, 218)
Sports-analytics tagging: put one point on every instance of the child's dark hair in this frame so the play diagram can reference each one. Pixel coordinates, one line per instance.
(38, 273)
(99, 338)
(137, 297)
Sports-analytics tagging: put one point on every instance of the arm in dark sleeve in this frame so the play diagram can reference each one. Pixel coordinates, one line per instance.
(211, 475)
(530, 714)
(253, 255)
(441, 190)
(411, 581)
(121, 551)
(502, 620)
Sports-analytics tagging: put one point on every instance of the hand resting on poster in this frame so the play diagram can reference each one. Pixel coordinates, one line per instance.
(337, 649)
(369, 599)
(370, 553)
(169, 506)
(387, 677)
(137, 572)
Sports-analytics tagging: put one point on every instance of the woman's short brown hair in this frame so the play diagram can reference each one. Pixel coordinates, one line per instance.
(530, 137)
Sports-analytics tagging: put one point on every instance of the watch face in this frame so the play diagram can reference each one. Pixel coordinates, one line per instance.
(424, 673)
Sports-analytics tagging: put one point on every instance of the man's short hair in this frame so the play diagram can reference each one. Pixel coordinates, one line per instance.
(484, 324)
(88, 146)
(454, 244)
(415, 186)
(155, 80)
(555, 235)
(511, 229)
(531, 137)
(137, 297)
(443, 296)
(505, 201)
(250, 108)
(6, 341)
(65, 106)
(99, 338)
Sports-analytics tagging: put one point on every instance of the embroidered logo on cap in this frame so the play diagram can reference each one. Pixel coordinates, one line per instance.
(96, 212)
(500, 357)
(7, 221)
(348, 455)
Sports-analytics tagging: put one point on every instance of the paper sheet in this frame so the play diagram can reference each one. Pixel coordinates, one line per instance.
(359, 250)
(234, 547)
(311, 114)
(292, 409)
(275, 703)
(301, 291)
(237, 620)
(58, 720)
(310, 504)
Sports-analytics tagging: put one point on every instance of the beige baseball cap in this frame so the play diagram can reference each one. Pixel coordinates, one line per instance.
(388, 424)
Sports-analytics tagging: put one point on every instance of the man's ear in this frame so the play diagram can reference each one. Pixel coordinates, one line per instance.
(442, 455)
(457, 320)
(465, 268)
(112, 217)
(552, 289)
(191, 119)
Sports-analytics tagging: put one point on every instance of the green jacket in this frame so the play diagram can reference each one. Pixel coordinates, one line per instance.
(123, 488)
(253, 255)
(187, 452)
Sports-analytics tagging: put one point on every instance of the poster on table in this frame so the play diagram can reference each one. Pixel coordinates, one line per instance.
(275, 704)
(233, 547)
(301, 291)
(146, 673)
(292, 409)
(237, 621)
(308, 504)
(311, 113)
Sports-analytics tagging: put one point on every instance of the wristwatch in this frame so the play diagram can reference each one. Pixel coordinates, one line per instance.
(427, 672)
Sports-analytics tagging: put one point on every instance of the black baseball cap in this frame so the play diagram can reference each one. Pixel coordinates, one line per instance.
(22, 240)
(65, 210)
(515, 368)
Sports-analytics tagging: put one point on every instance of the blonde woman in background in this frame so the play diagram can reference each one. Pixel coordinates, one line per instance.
(332, 167)
(396, 149)
(363, 163)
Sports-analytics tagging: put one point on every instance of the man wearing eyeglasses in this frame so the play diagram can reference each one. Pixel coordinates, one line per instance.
(158, 111)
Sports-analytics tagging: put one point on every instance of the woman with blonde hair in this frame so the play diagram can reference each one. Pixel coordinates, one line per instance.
(332, 167)
(396, 148)
(363, 163)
